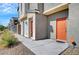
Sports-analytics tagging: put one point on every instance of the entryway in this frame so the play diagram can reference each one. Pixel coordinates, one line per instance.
(31, 27)
(61, 29)
(43, 47)
(19, 29)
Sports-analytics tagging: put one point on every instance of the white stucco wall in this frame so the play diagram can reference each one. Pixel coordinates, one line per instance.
(21, 28)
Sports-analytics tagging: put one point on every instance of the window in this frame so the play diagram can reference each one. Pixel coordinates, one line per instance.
(28, 5)
(21, 8)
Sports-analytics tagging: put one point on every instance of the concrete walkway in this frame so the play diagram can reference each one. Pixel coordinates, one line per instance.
(43, 47)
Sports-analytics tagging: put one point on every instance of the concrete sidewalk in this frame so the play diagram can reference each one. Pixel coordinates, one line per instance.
(43, 47)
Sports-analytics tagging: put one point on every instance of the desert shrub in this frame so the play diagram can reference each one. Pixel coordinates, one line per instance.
(8, 39)
(2, 27)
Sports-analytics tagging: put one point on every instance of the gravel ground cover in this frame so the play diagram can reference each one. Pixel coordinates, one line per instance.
(71, 51)
(19, 49)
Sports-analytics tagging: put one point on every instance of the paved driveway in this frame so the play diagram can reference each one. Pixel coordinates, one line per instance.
(43, 47)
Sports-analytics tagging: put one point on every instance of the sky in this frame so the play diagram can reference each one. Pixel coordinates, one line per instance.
(7, 10)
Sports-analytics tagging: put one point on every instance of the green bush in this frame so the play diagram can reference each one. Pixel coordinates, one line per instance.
(8, 42)
(8, 39)
(2, 27)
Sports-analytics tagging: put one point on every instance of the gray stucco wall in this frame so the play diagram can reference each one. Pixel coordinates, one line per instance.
(41, 26)
(73, 26)
(50, 5)
(52, 23)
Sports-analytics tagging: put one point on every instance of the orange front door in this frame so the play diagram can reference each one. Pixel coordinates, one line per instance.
(31, 27)
(61, 29)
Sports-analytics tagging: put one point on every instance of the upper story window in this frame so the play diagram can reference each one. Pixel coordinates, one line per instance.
(21, 8)
(28, 5)
(41, 7)
(33, 6)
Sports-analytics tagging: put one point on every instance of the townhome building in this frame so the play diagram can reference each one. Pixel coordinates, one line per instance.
(33, 22)
(57, 21)
(12, 25)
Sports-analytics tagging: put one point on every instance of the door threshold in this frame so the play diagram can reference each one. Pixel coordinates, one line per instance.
(62, 41)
